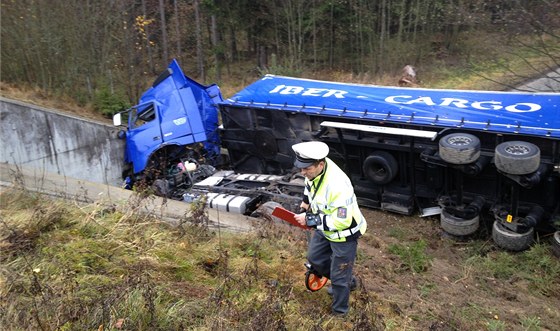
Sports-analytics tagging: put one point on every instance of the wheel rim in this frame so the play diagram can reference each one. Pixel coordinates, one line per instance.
(314, 282)
(379, 170)
(517, 150)
(459, 141)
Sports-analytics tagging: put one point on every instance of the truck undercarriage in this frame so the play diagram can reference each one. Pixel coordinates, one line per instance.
(402, 173)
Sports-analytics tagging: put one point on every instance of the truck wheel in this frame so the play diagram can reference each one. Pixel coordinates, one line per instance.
(265, 211)
(517, 157)
(555, 241)
(459, 148)
(380, 167)
(458, 226)
(510, 240)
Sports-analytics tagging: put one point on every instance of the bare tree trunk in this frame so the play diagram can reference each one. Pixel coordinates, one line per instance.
(372, 21)
(262, 56)
(199, 51)
(380, 61)
(331, 37)
(148, 46)
(277, 42)
(215, 45)
(314, 33)
(300, 37)
(232, 44)
(290, 30)
(402, 13)
(416, 22)
(177, 30)
(163, 32)
(360, 41)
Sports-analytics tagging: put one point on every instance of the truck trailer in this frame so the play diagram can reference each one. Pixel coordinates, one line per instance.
(479, 159)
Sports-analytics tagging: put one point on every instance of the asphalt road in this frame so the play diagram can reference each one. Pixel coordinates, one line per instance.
(548, 83)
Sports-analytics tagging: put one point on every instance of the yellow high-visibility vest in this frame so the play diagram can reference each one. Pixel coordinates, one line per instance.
(331, 195)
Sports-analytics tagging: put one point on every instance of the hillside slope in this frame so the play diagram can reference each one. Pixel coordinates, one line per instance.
(72, 267)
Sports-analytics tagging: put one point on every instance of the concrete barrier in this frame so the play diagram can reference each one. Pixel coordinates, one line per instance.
(83, 191)
(58, 143)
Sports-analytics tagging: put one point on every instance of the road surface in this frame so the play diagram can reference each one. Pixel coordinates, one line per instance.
(549, 83)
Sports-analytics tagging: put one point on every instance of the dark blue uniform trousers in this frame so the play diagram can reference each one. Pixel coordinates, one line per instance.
(334, 260)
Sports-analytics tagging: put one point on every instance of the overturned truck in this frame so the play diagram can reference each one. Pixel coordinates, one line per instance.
(482, 160)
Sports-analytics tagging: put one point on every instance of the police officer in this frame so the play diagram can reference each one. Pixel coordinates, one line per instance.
(331, 207)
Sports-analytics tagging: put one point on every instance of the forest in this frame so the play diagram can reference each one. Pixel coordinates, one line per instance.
(113, 49)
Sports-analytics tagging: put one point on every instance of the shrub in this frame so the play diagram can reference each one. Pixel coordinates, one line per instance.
(413, 256)
(108, 103)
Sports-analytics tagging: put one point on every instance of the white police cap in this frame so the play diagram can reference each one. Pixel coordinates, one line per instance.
(309, 152)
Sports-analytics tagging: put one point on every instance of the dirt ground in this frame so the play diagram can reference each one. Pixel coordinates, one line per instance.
(449, 295)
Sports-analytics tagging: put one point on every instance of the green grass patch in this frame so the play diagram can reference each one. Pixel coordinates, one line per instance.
(531, 323)
(413, 255)
(398, 233)
(536, 265)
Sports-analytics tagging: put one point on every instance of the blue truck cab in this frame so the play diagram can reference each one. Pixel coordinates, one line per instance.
(172, 115)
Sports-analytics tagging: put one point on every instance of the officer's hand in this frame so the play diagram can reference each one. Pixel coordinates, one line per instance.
(300, 218)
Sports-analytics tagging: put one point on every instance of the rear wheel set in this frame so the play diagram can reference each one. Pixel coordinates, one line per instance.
(459, 149)
(514, 158)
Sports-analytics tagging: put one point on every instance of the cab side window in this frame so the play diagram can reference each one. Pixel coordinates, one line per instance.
(142, 115)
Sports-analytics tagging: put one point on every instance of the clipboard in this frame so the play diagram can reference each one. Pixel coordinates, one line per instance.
(287, 216)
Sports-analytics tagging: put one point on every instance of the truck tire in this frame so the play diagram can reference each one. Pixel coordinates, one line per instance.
(458, 226)
(517, 157)
(265, 211)
(510, 240)
(459, 148)
(555, 242)
(380, 167)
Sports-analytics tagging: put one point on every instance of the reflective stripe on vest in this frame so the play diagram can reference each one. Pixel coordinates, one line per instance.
(345, 233)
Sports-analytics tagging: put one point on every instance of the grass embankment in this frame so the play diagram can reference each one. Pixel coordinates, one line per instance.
(66, 266)
(72, 267)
